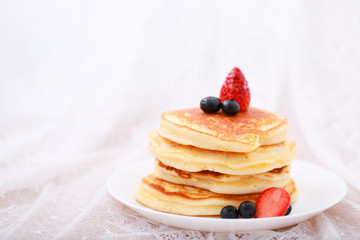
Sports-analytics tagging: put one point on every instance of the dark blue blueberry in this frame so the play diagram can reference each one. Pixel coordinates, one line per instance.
(210, 104)
(288, 211)
(247, 209)
(229, 212)
(230, 107)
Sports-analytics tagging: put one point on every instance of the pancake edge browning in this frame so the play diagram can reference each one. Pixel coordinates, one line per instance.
(224, 183)
(193, 159)
(185, 132)
(191, 201)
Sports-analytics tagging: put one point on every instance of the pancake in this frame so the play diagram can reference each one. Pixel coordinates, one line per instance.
(185, 200)
(241, 133)
(193, 159)
(224, 183)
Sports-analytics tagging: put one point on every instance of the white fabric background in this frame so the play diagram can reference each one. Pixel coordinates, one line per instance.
(83, 82)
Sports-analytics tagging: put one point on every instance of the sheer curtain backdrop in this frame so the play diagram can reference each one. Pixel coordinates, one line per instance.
(82, 83)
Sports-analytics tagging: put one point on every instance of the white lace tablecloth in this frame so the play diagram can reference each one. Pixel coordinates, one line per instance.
(82, 83)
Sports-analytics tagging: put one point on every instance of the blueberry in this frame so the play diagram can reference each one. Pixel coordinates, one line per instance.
(229, 212)
(210, 104)
(288, 211)
(230, 107)
(247, 209)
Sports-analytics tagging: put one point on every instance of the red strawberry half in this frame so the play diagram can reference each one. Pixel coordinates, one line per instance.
(272, 202)
(236, 87)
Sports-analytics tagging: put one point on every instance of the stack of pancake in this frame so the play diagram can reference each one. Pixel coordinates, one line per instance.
(204, 162)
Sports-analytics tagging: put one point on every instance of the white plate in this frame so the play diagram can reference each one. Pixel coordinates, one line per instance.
(319, 189)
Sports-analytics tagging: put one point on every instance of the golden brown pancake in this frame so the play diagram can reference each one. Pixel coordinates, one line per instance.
(193, 159)
(241, 133)
(224, 183)
(185, 200)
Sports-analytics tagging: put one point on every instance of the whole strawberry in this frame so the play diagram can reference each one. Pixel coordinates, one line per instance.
(236, 87)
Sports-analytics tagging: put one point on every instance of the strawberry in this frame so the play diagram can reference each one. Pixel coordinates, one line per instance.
(272, 202)
(236, 87)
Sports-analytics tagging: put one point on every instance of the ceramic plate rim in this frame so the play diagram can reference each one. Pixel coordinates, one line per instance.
(140, 208)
